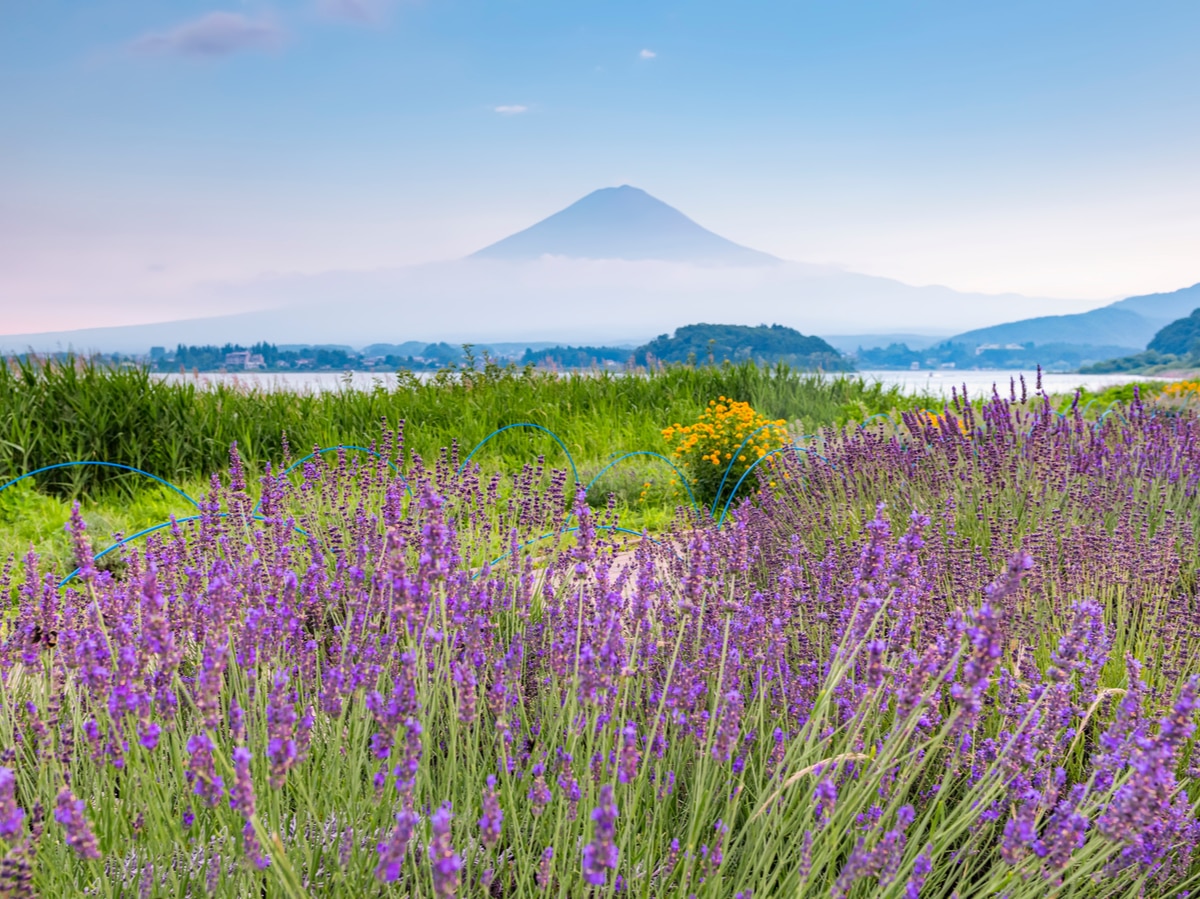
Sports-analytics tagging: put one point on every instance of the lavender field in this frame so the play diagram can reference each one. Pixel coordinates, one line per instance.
(952, 655)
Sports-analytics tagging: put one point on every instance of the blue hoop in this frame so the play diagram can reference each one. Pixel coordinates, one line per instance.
(759, 461)
(866, 421)
(523, 424)
(151, 530)
(732, 460)
(682, 477)
(342, 446)
(119, 465)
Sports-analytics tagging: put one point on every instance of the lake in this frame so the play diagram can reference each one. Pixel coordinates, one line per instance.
(937, 382)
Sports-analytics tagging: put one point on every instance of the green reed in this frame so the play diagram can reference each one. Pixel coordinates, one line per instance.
(51, 412)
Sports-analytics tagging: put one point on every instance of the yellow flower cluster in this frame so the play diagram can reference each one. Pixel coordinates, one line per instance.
(943, 422)
(1182, 390)
(706, 448)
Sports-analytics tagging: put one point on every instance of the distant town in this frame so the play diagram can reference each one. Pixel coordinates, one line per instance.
(269, 357)
(697, 344)
(1173, 345)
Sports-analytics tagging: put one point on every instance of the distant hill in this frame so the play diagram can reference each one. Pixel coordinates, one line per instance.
(1119, 327)
(563, 357)
(1166, 306)
(622, 223)
(1130, 323)
(852, 343)
(408, 348)
(502, 350)
(717, 343)
(1176, 344)
(948, 354)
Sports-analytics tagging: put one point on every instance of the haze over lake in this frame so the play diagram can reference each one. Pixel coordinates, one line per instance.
(978, 383)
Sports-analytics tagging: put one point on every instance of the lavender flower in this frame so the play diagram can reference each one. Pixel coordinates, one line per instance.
(1066, 831)
(201, 772)
(539, 793)
(803, 630)
(69, 813)
(393, 852)
(493, 816)
(444, 861)
(237, 722)
(600, 855)
(726, 735)
(825, 795)
(631, 757)
(241, 794)
(253, 848)
(543, 872)
(11, 814)
(281, 720)
(921, 868)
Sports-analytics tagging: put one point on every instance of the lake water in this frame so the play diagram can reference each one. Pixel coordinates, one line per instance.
(980, 382)
(937, 382)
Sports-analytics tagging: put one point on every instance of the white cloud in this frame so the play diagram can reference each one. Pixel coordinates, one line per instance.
(213, 34)
(366, 12)
(647, 54)
(514, 109)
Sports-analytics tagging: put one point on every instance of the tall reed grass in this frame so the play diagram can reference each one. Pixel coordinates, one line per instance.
(56, 412)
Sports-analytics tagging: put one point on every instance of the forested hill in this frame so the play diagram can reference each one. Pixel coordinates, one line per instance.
(1180, 338)
(705, 343)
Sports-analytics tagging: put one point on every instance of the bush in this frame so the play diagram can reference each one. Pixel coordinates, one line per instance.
(707, 448)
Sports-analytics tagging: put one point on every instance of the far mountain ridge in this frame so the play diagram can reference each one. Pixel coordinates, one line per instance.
(1176, 345)
(1131, 322)
(623, 223)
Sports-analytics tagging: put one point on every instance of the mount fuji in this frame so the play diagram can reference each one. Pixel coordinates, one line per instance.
(622, 223)
(617, 265)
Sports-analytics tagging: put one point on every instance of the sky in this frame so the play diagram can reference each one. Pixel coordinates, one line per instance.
(1047, 148)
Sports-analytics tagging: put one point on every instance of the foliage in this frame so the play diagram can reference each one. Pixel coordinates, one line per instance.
(644, 490)
(577, 356)
(301, 358)
(704, 343)
(706, 447)
(1125, 394)
(1179, 338)
(1148, 362)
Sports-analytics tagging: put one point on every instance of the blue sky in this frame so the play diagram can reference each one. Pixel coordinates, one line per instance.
(1043, 147)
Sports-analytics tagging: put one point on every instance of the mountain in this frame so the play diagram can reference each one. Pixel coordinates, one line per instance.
(1165, 306)
(622, 223)
(1131, 323)
(1107, 325)
(1175, 345)
(614, 267)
